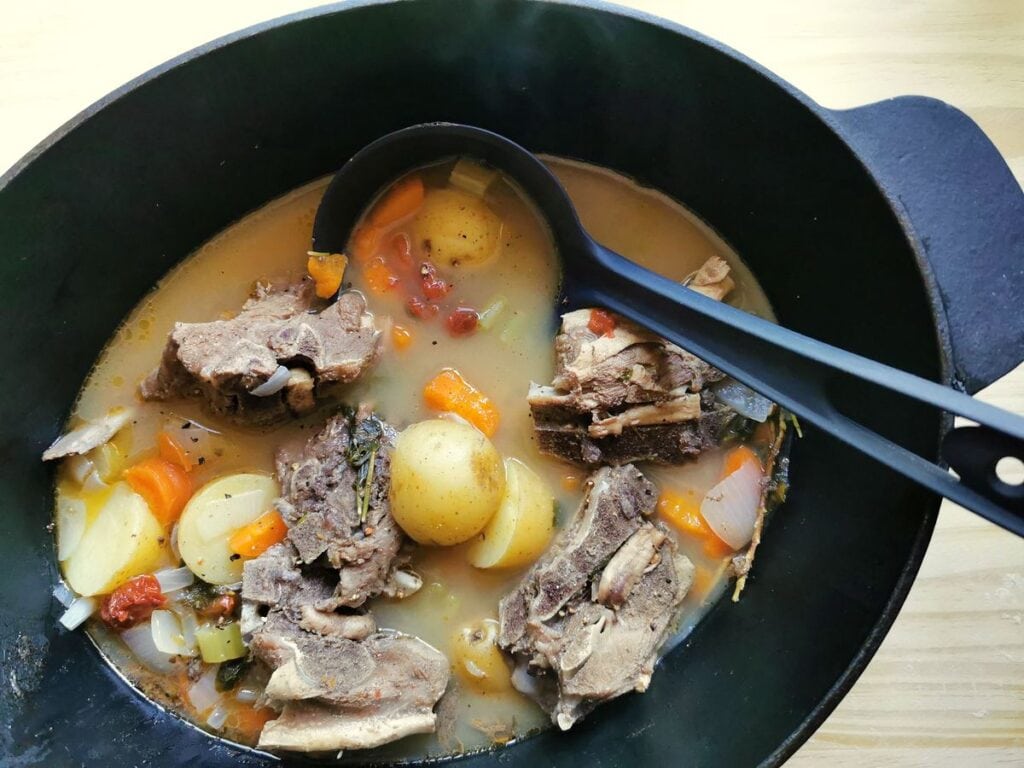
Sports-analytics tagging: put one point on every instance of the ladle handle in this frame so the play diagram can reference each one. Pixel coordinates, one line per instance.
(797, 372)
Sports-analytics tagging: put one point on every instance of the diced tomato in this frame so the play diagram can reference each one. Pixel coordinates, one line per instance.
(421, 308)
(434, 287)
(221, 606)
(132, 602)
(602, 323)
(401, 247)
(462, 321)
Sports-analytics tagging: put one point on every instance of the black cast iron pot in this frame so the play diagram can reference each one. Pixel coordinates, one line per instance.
(894, 230)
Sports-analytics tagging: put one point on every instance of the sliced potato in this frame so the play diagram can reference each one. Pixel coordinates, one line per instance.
(124, 540)
(521, 529)
(212, 515)
(477, 658)
(71, 520)
(458, 227)
(446, 481)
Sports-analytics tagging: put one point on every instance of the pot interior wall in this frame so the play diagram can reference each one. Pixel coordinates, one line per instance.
(99, 216)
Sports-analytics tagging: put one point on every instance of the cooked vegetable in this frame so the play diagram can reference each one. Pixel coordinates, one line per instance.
(742, 399)
(472, 177)
(730, 508)
(173, 579)
(477, 659)
(488, 316)
(89, 435)
(171, 450)
(379, 277)
(203, 694)
(229, 673)
(211, 518)
(71, 520)
(277, 381)
(139, 640)
(220, 643)
(124, 540)
(79, 610)
(446, 482)
(602, 323)
(462, 321)
(327, 271)
(448, 391)
(168, 636)
(364, 243)
(737, 457)
(522, 527)
(401, 337)
(458, 228)
(132, 602)
(259, 535)
(402, 200)
(682, 512)
(107, 461)
(165, 487)
(363, 448)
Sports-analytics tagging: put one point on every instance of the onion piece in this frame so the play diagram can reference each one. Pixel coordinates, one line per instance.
(71, 519)
(742, 399)
(247, 695)
(139, 640)
(730, 508)
(80, 610)
(173, 579)
(62, 594)
(218, 717)
(168, 635)
(174, 543)
(203, 693)
(189, 625)
(274, 384)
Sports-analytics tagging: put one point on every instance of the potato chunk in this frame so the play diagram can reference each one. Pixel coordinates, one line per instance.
(212, 515)
(521, 529)
(446, 482)
(124, 540)
(477, 659)
(458, 228)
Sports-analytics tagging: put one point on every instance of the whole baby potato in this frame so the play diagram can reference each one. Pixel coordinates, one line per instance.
(457, 228)
(447, 481)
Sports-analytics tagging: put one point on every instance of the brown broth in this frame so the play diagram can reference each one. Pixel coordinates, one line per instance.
(272, 243)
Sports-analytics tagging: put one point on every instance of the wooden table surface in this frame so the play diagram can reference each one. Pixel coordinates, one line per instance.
(947, 686)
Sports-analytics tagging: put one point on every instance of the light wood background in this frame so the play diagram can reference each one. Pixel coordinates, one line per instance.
(947, 686)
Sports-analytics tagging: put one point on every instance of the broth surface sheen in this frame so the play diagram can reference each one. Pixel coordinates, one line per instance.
(272, 243)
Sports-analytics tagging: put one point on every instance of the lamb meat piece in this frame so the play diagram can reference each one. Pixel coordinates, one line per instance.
(338, 693)
(628, 395)
(669, 443)
(321, 507)
(223, 361)
(586, 622)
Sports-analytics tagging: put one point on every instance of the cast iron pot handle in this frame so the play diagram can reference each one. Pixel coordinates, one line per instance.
(944, 177)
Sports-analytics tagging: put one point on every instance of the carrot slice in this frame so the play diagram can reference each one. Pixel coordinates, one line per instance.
(259, 535)
(448, 391)
(682, 512)
(364, 243)
(327, 271)
(379, 277)
(165, 487)
(403, 199)
(173, 451)
(401, 336)
(736, 458)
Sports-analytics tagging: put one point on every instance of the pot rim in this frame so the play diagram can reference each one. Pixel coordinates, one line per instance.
(827, 116)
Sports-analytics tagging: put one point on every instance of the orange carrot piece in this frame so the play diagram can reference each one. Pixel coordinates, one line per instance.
(173, 451)
(248, 721)
(448, 391)
(401, 336)
(164, 485)
(736, 458)
(403, 199)
(379, 277)
(682, 512)
(327, 271)
(259, 535)
(364, 243)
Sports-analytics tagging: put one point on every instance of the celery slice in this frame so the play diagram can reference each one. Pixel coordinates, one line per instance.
(223, 643)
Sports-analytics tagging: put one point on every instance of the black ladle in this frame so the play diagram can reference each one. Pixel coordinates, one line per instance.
(791, 369)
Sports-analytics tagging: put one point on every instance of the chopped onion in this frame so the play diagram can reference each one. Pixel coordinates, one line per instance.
(71, 518)
(139, 640)
(742, 399)
(168, 636)
(80, 610)
(189, 625)
(79, 467)
(218, 717)
(173, 579)
(63, 594)
(730, 508)
(203, 693)
(174, 543)
(407, 582)
(247, 695)
(274, 384)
